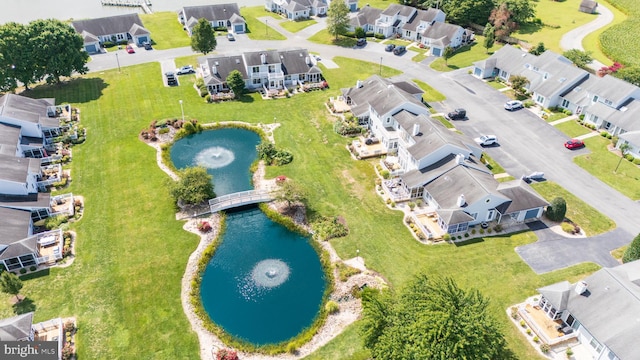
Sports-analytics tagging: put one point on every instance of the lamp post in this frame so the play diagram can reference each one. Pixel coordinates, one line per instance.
(117, 59)
(181, 110)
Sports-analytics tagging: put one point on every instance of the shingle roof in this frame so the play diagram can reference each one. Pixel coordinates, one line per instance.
(26, 202)
(401, 10)
(441, 31)
(107, 25)
(24, 108)
(470, 182)
(631, 136)
(522, 196)
(452, 217)
(612, 88)
(381, 94)
(14, 224)
(295, 61)
(224, 65)
(9, 139)
(253, 58)
(16, 328)
(425, 16)
(17, 169)
(211, 12)
(365, 16)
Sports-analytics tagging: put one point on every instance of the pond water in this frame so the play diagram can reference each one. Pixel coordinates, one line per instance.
(265, 283)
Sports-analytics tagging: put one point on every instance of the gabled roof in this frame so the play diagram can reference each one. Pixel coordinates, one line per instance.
(365, 16)
(253, 58)
(14, 224)
(626, 117)
(224, 65)
(107, 25)
(9, 139)
(17, 328)
(612, 88)
(588, 5)
(452, 217)
(31, 201)
(381, 94)
(88, 38)
(557, 294)
(16, 169)
(434, 136)
(522, 196)
(398, 9)
(610, 308)
(631, 136)
(211, 12)
(295, 6)
(474, 184)
(296, 61)
(24, 108)
(441, 31)
(423, 16)
(138, 30)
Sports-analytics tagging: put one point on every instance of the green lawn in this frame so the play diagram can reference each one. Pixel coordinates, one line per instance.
(589, 219)
(258, 30)
(497, 84)
(555, 116)
(572, 128)
(323, 37)
(380, 4)
(295, 26)
(166, 31)
(601, 163)
(619, 252)
(430, 94)
(592, 41)
(619, 41)
(125, 283)
(465, 56)
(492, 164)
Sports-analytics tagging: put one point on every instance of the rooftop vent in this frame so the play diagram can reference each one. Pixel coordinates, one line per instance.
(461, 200)
(216, 63)
(624, 108)
(237, 61)
(263, 58)
(359, 84)
(416, 130)
(581, 287)
(562, 79)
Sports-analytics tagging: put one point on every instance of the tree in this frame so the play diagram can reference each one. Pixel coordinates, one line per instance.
(629, 74)
(557, 210)
(624, 148)
(194, 186)
(203, 37)
(16, 62)
(359, 33)
(501, 19)
(290, 192)
(447, 54)
(337, 18)
(465, 12)
(633, 251)
(57, 50)
(489, 34)
(435, 319)
(236, 83)
(522, 11)
(519, 83)
(579, 57)
(375, 315)
(11, 284)
(538, 49)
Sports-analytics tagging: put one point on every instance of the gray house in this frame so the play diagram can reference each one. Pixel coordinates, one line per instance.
(602, 309)
(588, 6)
(219, 16)
(119, 28)
(17, 328)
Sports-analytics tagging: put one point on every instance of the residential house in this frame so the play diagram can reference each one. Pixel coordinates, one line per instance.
(588, 6)
(352, 5)
(22, 328)
(440, 36)
(297, 9)
(119, 28)
(414, 29)
(225, 16)
(434, 164)
(365, 19)
(601, 310)
(393, 18)
(266, 70)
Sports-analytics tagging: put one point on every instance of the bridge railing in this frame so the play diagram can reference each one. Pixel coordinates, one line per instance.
(239, 199)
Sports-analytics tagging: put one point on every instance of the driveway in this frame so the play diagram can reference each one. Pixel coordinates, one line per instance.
(573, 39)
(527, 143)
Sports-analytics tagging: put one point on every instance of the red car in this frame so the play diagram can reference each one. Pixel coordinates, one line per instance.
(130, 49)
(574, 144)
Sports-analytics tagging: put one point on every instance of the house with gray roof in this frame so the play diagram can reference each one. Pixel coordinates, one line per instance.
(225, 16)
(415, 28)
(440, 35)
(400, 20)
(297, 9)
(261, 70)
(602, 310)
(365, 19)
(17, 328)
(588, 6)
(119, 28)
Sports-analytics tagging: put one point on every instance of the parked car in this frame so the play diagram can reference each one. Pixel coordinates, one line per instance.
(457, 114)
(230, 37)
(399, 50)
(147, 45)
(486, 140)
(536, 175)
(389, 48)
(361, 42)
(574, 144)
(187, 69)
(171, 78)
(513, 105)
(130, 49)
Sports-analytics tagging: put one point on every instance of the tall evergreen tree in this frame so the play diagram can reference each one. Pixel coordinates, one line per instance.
(203, 37)
(10, 284)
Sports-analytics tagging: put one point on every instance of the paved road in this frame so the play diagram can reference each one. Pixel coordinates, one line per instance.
(527, 143)
(573, 39)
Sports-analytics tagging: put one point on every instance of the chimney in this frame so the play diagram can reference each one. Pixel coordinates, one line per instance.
(263, 58)
(581, 287)
(359, 84)
(416, 129)
(308, 60)
(214, 69)
(461, 200)
(459, 159)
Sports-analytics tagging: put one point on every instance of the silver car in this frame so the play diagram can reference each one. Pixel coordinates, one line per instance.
(513, 105)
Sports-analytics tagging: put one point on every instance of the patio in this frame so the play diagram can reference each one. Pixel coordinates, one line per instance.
(429, 221)
(50, 330)
(552, 332)
(62, 204)
(339, 105)
(363, 151)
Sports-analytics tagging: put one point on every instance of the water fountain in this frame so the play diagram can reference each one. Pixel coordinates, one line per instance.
(214, 157)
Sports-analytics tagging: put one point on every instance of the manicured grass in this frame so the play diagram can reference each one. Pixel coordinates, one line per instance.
(465, 56)
(601, 163)
(258, 30)
(430, 94)
(558, 17)
(166, 31)
(619, 252)
(589, 219)
(419, 57)
(505, 178)
(444, 122)
(496, 84)
(380, 4)
(397, 42)
(620, 42)
(295, 26)
(572, 128)
(323, 37)
(492, 164)
(555, 116)
(592, 42)
(358, 70)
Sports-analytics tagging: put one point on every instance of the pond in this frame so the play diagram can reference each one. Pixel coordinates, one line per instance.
(264, 284)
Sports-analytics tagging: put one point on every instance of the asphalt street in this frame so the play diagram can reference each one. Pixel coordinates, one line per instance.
(526, 142)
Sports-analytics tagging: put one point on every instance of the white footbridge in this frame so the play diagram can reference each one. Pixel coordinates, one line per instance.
(239, 199)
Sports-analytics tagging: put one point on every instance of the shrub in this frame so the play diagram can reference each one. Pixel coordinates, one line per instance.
(69, 326)
(545, 348)
(557, 210)
(514, 312)
(536, 339)
(412, 205)
(481, 231)
(581, 117)
(332, 307)
(446, 237)
(522, 323)
(385, 174)
(54, 222)
(636, 161)
(226, 354)
(498, 228)
(633, 251)
(473, 231)
(567, 227)
(329, 228)
(23, 271)
(466, 235)
(629, 157)
(569, 352)
(529, 332)
(164, 130)
(33, 268)
(393, 204)
(528, 103)
(291, 348)
(567, 112)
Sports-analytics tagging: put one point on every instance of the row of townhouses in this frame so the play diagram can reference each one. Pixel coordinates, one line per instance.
(431, 163)
(610, 104)
(27, 127)
(302, 9)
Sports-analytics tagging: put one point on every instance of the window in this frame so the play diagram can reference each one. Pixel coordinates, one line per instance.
(565, 103)
(503, 74)
(120, 37)
(595, 345)
(256, 81)
(255, 69)
(595, 98)
(491, 215)
(539, 99)
(608, 102)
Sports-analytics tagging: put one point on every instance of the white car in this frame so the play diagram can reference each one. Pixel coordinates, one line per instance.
(486, 140)
(188, 69)
(513, 105)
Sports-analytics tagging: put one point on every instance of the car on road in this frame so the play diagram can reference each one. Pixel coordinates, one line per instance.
(399, 50)
(171, 78)
(389, 48)
(187, 69)
(361, 42)
(147, 45)
(486, 140)
(457, 114)
(230, 37)
(513, 105)
(574, 144)
(130, 49)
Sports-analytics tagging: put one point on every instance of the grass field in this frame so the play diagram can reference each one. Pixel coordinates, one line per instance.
(572, 128)
(166, 31)
(323, 37)
(256, 29)
(465, 56)
(430, 94)
(592, 42)
(620, 42)
(295, 26)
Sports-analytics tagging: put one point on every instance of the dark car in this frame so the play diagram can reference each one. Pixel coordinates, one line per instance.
(574, 144)
(147, 46)
(361, 42)
(389, 48)
(399, 50)
(171, 78)
(456, 114)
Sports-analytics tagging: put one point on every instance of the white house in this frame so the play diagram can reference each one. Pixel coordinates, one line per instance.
(297, 9)
(440, 35)
(225, 16)
(119, 28)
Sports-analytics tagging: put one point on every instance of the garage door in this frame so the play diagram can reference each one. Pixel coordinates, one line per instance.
(142, 39)
(91, 48)
(436, 52)
(531, 214)
(238, 29)
(353, 7)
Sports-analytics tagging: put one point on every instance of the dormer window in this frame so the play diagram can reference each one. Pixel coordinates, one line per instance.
(546, 76)
(608, 102)
(595, 98)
